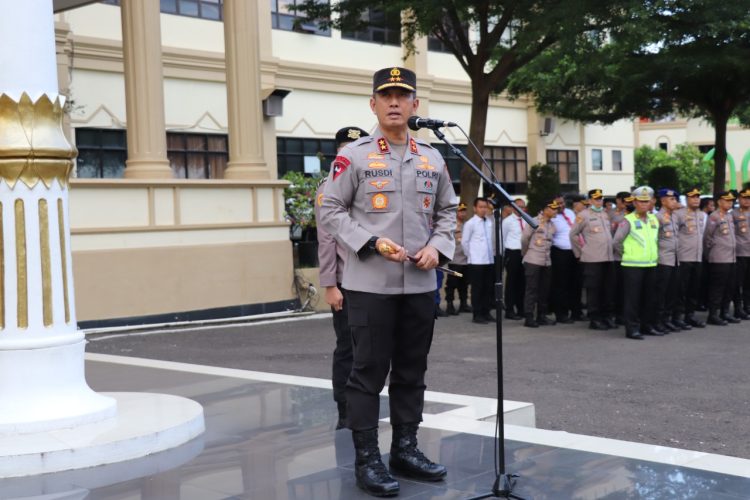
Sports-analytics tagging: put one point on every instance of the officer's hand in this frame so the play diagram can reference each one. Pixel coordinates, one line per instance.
(390, 250)
(427, 258)
(334, 297)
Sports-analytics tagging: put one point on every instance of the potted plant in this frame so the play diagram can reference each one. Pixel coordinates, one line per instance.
(299, 202)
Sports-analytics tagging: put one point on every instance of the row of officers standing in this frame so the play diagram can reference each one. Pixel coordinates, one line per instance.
(640, 267)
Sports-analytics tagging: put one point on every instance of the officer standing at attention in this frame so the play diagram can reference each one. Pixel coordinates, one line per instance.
(617, 216)
(742, 235)
(512, 228)
(595, 252)
(536, 245)
(666, 291)
(390, 200)
(458, 264)
(720, 246)
(637, 240)
(690, 256)
(331, 257)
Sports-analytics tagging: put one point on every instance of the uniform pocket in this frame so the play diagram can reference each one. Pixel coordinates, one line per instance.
(380, 191)
(426, 187)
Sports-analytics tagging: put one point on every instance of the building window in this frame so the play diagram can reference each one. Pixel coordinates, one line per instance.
(510, 167)
(565, 162)
(197, 156)
(616, 160)
(453, 162)
(101, 153)
(283, 17)
(383, 28)
(596, 159)
(664, 146)
(304, 155)
(205, 9)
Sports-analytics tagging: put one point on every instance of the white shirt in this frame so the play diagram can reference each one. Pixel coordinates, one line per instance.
(476, 240)
(512, 228)
(561, 238)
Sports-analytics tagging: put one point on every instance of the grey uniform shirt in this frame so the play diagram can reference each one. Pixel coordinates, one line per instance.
(371, 192)
(689, 234)
(536, 244)
(668, 239)
(742, 231)
(719, 240)
(615, 219)
(331, 255)
(459, 258)
(596, 231)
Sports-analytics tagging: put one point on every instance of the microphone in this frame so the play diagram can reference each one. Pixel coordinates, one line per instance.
(416, 123)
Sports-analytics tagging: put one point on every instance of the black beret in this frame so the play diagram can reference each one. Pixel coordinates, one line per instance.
(349, 134)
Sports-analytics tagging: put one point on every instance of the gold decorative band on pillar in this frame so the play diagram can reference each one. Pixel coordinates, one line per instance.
(44, 251)
(64, 255)
(33, 147)
(22, 292)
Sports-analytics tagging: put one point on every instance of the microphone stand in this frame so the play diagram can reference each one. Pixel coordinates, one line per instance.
(504, 482)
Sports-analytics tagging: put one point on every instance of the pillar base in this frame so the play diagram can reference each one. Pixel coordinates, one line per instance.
(242, 171)
(45, 389)
(148, 169)
(146, 424)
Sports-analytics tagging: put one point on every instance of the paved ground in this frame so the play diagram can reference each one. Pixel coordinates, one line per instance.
(687, 390)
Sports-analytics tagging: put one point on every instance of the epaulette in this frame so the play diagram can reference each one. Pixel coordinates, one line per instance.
(361, 141)
(423, 142)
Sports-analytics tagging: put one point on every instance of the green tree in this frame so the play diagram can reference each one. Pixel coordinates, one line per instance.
(685, 160)
(491, 39)
(672, 56)
(544, 185)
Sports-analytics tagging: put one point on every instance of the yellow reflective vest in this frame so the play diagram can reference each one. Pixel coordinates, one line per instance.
(641, 245)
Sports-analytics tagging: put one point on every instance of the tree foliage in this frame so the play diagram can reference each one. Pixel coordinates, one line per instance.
(491, 39)
(671, 56)
(685, 160)
(544, 185)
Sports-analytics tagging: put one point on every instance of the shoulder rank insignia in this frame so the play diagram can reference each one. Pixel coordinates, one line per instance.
(413, 145)
(340, 164)
(383, 145)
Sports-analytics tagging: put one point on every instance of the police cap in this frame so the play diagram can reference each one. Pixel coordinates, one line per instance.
(643, 193)
(349, 134)
(595, 194)
(394, 77)
(745, 193)
(727, 195)
(694, 191)
(668, 192)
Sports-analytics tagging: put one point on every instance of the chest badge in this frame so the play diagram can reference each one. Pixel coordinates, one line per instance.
(427, 201)
(375, 156)
(380, 201)
(376, 164)
(379, 184)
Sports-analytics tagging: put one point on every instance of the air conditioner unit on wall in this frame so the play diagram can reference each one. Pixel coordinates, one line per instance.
(549, 127)
(273, 105)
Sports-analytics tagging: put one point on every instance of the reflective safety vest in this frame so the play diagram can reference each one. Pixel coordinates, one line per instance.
(641, 246)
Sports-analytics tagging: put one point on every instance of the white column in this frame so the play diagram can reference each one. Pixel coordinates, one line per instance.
(42, 384)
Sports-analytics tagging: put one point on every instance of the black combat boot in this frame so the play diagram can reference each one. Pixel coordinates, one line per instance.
(677, 321)
(610, 322)
(530, 323)
(740, 314)
(728, 317)
(464, 307)
(715, 319)
(406, 458)
(450, 309)
(692, 321)
(633, 333)
(595, 324)
(341, 423)
(544, 320)
(371, 474)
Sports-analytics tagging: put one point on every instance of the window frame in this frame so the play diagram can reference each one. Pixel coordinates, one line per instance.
(101, 149)
(367, 34)
(594, 153)
(210, 171)
(297, 25)
(285, 158)
(567, 168)
(179, 11)
(617, 160)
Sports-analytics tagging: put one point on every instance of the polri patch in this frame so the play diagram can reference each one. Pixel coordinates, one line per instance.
(380, 201)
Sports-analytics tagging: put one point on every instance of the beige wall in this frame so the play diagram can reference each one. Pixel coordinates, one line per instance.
(152, 247)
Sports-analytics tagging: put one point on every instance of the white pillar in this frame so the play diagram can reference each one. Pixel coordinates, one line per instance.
(42, 383)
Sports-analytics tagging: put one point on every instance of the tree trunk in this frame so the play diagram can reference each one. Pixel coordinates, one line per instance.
(720, 152)
(480, 98)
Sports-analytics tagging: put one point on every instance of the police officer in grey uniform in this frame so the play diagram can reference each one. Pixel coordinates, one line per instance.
(741, 218)
(536, 247)
(690, 228)
(389, 197)
(720, 247)
(615, 218)
(458, 264)
(666, 291)
(596, 256)
(331, 258)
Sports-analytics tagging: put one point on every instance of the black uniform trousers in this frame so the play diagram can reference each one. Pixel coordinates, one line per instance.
(342, 353)
(598, 280)
(482, 278)
(538, 280)
(562, 294)
(721, 286)
(454, 283)
(690, 287)
(515, 281)
(389, 332)
(578, 290)
(665, 292)
(619, 290)
(638, 310)
(705, 283)
(742, 290)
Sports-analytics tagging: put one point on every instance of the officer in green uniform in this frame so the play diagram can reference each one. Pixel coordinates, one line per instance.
(390, 197)
(637, 240)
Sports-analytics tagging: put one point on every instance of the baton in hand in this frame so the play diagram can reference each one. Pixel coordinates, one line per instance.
(449, 272)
